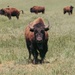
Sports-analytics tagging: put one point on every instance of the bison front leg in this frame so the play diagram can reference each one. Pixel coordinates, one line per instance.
(43, 12)
(64, 11)
(36, 12)
(69, 12)
(43, 53)
(35, 54)
(17, 16)
(29, 50)
(9, 16)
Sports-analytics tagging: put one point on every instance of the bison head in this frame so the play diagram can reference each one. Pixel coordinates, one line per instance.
(2, 12)
(32, 10)
(71, 7)
(39, 32)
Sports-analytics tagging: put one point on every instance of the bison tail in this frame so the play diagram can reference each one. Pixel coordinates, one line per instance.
(64, 11)
(22, 11)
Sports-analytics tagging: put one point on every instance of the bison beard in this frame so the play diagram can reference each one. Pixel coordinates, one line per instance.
(38, 44)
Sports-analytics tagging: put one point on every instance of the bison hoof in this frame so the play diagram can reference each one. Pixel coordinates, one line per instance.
(41, 61)
(29, 61)
(35, 62)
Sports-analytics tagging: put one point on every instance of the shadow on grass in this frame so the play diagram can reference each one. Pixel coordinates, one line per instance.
(27, 61)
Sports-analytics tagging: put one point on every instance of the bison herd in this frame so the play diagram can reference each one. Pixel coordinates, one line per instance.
(36, 34)
(35, 9)
(15, 12)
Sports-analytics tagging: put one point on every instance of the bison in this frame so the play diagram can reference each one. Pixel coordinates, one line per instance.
(36, 37)
(68, 9)
(10, 12)
(37, 9)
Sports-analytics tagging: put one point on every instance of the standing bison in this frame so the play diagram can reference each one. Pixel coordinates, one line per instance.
(36, 36)
(37, 9)
(68, 9)
(10, 12)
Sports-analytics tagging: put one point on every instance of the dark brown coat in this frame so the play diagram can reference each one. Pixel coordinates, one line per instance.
(37, 9)
(68, 9)
(10, 12)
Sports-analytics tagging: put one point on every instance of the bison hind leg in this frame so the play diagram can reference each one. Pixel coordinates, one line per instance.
(64, 12)
(71, 11)
(35, 56)
(17, 17)
(42, 54)
(43, 12)
(9, 16)
(29, 58)
(29, 52)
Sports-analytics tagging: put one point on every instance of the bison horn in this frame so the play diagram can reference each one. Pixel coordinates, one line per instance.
(31, 28)
(47, 26)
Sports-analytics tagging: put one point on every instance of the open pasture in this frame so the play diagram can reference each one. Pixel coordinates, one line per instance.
(60, 58)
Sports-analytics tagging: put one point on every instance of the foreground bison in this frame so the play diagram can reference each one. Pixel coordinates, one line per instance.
(10, 12)
(68, 9)
(37, 9)
(36, 36)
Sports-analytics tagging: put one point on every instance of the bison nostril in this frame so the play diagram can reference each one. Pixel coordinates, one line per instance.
(39, 39)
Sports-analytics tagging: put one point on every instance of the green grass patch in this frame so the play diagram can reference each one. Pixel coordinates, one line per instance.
(60, 58)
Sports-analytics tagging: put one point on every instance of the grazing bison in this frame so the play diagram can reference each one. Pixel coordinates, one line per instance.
(37, 9)
(36, 36)
(10, 12)
(68, 9)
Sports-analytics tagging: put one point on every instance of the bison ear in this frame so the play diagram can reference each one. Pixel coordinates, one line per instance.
(32, 30)
(46, 28)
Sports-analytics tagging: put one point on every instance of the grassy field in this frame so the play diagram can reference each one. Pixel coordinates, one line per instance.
(61, 44)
